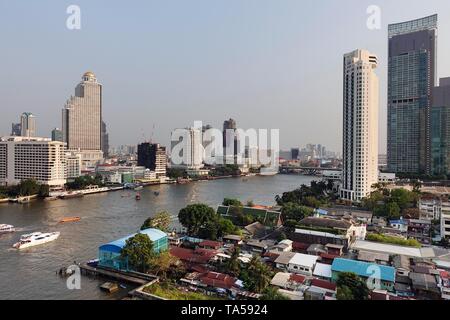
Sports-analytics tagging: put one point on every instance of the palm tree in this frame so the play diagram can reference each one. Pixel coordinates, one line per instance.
(234, 265)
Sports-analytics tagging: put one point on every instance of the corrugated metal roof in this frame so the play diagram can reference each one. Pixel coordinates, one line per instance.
(363, 269)
(153, 234)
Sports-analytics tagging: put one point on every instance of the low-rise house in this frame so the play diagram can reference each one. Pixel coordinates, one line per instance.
(383, 276)
(283, 260)
(425, 285)
(400, 224)
(374, 257)
(256, 230)
(258, 246)
(233, 239)
(402, 264)
(347, 228)
(316, 249)
(192, 257)
(334, 249)
(289, 281)
(282, 246)
(300, 247)
(321, 290)
(349, 212)
(322, 271)
(218, 280)
(209, 244)
(379, 222)
(420, 230)
(302, 264)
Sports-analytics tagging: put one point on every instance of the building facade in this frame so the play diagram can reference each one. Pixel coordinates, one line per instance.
(41, 159)
(187, 149)
(73, 165)
(82, 120)
(360, 140)
(153, 156)
(57, 135)
(440, 129)
(16, 130)
(105, 140)
(411, 78)
(27, 125)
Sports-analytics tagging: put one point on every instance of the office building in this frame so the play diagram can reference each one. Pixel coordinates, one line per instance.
(440, 129)
(27, 125)
(360, 140)
(411, 78)
(82, 120)
(295, 153)
(105, 140)
(23, 158)
(57, 135)
(230, 141)
(16, 130)
(153, 156)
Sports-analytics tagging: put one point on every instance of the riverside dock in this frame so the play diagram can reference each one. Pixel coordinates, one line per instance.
(121, 276)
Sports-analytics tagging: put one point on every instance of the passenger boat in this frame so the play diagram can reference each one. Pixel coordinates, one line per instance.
(70, 219)
(6, 228)
(35, 239)
(71, 195)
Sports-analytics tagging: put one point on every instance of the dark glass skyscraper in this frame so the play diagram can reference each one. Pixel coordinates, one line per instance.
(411, 78)
(440, 129)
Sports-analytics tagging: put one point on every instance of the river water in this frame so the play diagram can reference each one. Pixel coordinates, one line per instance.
(31, 273)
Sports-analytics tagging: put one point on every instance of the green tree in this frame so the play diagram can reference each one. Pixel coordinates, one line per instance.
(232, 202)
(28, 187)
(233, 265)
(257, 276)
(197, 216)
(161, 265)
(225, 226)
(271, 294)
(351, 287)
(294, 211)
(161, 221)
(392, 210)
(138, 250)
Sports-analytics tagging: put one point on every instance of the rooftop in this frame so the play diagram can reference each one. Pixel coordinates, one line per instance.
(304, 260)
(392, 249)
(117, 245)
(363, 269)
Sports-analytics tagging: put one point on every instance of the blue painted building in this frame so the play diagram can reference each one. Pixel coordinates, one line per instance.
(365, 270)
(109, 254)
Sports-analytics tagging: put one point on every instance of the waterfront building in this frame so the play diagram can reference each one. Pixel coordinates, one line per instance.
(440, 129)
(57, 135)
(73, 165)
(187, 152)
(153, 156)
(28, 124)
(35, 158)
(360, 141)
(411, 78)
(109, 254)
(82, 120)
(16, 130)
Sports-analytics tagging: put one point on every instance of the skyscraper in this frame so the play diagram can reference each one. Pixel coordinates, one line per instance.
(105, 140)
(187, 152)
(440, 129)
(153, 156)
(411, 78)
(82, 120)
(28, 125)
(16, 129)
(57, 135)
(360, 140)
(229, 141)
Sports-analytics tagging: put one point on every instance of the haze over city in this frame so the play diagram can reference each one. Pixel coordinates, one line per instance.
(267, 64)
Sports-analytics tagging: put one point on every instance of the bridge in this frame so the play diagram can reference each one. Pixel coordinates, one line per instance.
(309, 171)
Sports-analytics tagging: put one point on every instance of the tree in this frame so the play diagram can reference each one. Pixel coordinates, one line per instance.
(28, 187)
(231, 202)
(392, 210)
(161, 220)
(257, 275)
(294, 211)
(233, 265)
(250, 203)
(161, 265)
(138, 250)
(225, 226)
(271, 294)
(351, 287)
(197, 216)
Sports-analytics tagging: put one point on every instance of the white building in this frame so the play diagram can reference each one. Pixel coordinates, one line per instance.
(430, 208)
(302, 264)
(28, 124)
(41, 159)
(82, 121)
(445, 219)
(360, 141)
(187, 150)
(73, 165)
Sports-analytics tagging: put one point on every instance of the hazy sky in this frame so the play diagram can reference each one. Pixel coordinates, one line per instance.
(265, 63)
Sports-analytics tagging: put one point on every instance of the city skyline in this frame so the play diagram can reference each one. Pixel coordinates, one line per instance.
(266, 75)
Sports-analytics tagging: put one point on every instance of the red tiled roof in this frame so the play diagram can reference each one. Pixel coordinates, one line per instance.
(300, 245)
(210, 243)
(218, 280)
(199, 256)
(297, 278)
(323, 284)
(328, 256)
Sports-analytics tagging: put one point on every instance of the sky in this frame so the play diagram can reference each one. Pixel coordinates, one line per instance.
(269, 64)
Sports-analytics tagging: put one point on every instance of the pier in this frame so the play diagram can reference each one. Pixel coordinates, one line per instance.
(121, 276)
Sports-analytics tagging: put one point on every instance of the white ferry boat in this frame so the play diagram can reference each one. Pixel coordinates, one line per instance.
(268, 171)
(5, 228)
(34, 239)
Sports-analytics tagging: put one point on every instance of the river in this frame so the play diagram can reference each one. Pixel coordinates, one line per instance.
(31, 273)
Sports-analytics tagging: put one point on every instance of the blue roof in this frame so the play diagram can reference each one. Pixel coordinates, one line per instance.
(322, 212)
(363, 269)
(397, 222)
(117, 245)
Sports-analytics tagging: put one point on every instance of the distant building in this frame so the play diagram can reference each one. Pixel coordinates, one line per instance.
(187, 152)
(16, 130)
(153, 156)
(28, 125)
(36, 158)
(105, 140)
(360, 141)
(440, 129)
(73, 165)
(57, 135)
(82, 120)
(295, 153)
(230, 145)
(411, 78)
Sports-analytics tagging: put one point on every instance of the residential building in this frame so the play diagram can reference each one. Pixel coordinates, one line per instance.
(420, 230)
(57, 135)
(82, 120)
(28, 125)
(440, 129)
(16, 129)
(411, 78)
(445, 220)
(105, 140)
(230, 145)
(385, 276)
(430, 208)
(73, 165)
(153, 156)
(187, 149)
(302, 264)
(36, 158)
(360, 141)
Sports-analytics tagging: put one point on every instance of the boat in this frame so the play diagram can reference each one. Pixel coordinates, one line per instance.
(70, 219)
(74, 194)
(138, 188)
(6, 228)
(268, 171)
(109, 287)
(156, 193)
(35, 239)
(138, 196)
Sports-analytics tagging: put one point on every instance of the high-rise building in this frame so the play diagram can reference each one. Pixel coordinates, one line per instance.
(82, 120)
(360, 140)
(28, 124)
(411, 78)
(73, 165)
(187, 152)
(230, 146)
(16, 130)
(35, 158)
(295, 153)
(105, 140)
(57, 135)
(440, 129)
(153, 156)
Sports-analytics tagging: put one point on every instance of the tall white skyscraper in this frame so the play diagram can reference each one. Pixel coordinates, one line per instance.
(187, 149)
(360, 134)
(27, 124)
(82, 120)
